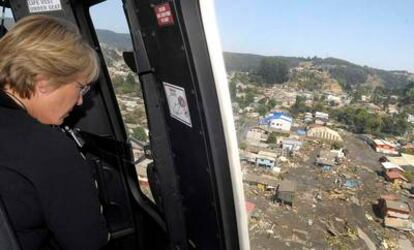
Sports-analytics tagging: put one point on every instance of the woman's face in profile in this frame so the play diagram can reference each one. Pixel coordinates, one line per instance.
(53, 105)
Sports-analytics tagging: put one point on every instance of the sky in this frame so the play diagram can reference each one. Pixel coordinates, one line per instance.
(376, 33)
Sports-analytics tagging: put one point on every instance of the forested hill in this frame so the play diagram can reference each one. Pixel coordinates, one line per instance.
(346, 73)
(251, 62)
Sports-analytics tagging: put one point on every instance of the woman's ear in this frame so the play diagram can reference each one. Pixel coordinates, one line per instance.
(42, 85)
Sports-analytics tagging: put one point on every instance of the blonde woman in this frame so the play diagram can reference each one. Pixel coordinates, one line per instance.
(48, 189)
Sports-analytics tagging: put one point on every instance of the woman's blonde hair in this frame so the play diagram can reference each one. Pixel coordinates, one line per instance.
(47, 46)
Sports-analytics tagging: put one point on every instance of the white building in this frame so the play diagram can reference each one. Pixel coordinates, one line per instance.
(277, 121)
(410, 118)
(333, 98)
(321, 118)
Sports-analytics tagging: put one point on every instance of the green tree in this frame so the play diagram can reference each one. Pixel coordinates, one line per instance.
(139, 134)
(249, 98)
(126, 85)
(273, 70)
(272, 137)
(271, 104)
(233, 89)
(262, 109)
(361, 121)
(299, 106)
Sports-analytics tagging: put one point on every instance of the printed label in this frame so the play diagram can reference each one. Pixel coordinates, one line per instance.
(43, 5)
(164, 14)
(177, 103)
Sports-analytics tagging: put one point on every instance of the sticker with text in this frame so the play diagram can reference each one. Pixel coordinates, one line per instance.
(177, 103)
(43, 5)
(164, 14)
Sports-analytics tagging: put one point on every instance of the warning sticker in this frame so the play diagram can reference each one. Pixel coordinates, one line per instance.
(164, 14)
(177, 102)
(43, 5)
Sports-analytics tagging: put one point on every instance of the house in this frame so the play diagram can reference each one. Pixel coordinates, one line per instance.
(268, 182)
(321, 118)
(393, 109)
(248, 109)
(372, 108)
(257, 134)
(291, 144)
(395, 177)
(241, 86)
(301, 132)
(286, 192)
(250, 206)
(385, 147)
(308, 117)
(393, 173)
(248, 157)
(324, 133)
(325, 158)
(334, 99)
(405, 160)
(364, 98)
(266, 159)
(279, 121)
(394, 209)
(240, 95)
(397, 223)
(389, 166)
(396, 213)
(253, 115)
(410, 118)
(340, 153)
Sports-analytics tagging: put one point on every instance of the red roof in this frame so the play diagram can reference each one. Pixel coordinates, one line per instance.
(393, 175)
(390, 197)
(250, 206)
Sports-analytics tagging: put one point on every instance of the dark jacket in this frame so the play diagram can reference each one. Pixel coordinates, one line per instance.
(47, 187)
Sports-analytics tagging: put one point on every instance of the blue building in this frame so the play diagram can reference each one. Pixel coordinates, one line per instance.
(277, 120)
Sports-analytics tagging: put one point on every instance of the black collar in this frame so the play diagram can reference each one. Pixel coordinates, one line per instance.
(7, 102)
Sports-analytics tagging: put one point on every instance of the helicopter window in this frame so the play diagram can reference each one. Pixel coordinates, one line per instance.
(305, 91)
(6, 20)
(114, 39)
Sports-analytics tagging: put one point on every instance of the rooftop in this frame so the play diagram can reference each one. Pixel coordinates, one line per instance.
(395, 175)
(397, 205)
(390, 165)
(380, 142)
(275, 115)
(287, 186)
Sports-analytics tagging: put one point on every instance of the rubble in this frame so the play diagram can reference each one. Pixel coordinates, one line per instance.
(336, 202)
(366, 239)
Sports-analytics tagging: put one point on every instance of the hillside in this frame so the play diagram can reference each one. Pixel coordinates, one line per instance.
(347, 74)
(333, 71)
(120, 41)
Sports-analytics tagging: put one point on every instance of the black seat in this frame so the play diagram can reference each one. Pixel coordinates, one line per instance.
(8, 239)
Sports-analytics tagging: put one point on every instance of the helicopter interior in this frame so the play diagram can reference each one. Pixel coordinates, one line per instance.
(193, 175)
